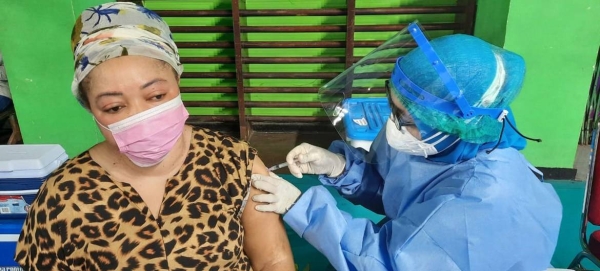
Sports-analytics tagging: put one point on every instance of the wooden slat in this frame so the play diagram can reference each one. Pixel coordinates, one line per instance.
(313, 90)
(295, 60)
(208, 89)
(198, 119)
(372, 75)
(211, 104)
(284, 104)
(245, 129)
(294, 44)
(411, 10)
(367, 44)
(194, 13)
(314, 12)
(374, 90)
(471, 9)
(290, 75)
(311, 29)
(251, 104)
(287, 44)
(316, 44)
(350, 25)
(223, 75)
(398, 27)
(377, 60)
(205, 44)
(282, 90)
(208, 60)
(201, 29)
(321, 44)
(341, 28)
(289, 119)
(350, 28)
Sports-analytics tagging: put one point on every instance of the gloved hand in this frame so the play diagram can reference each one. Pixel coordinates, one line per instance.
(306, 158)
(282, 194)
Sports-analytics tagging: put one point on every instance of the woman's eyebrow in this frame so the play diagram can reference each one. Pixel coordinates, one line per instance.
(152, 82)
(109, 93)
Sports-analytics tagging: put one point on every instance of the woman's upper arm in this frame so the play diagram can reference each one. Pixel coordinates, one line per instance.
(40, 243)
(265, 239)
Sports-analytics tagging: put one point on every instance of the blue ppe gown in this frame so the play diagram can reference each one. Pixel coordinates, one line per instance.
(487, 212)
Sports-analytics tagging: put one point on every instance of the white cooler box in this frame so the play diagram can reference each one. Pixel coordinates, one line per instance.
(23, 168)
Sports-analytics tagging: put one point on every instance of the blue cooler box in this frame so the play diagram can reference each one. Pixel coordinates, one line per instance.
(23, 168)
(9, 234)
(365, 118)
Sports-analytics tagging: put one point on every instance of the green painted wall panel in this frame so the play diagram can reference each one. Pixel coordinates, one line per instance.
(560, 45)
(490, 23)
(39, 65)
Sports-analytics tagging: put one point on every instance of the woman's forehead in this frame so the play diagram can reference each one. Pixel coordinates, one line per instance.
(128, 71)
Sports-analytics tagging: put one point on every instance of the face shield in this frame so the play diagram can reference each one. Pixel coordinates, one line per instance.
(461, 88)
(356, 100)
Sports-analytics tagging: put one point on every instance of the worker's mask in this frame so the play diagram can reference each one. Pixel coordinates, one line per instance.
(147, 137)
(403, 141)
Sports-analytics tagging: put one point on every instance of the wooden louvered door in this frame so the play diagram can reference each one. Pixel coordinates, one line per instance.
(261, 62)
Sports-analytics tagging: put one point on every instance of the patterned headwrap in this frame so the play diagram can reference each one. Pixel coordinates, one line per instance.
(119, 29)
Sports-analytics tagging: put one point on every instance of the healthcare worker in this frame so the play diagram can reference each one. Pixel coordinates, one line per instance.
(445, 169)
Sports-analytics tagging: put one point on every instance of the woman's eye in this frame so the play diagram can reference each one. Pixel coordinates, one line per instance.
(158, 97)
(113, 110)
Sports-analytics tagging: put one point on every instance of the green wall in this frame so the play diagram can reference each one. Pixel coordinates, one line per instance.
(490, 22)
(35, 42)
(559, 42)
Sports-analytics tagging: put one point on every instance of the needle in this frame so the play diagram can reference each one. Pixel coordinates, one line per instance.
(278, 166)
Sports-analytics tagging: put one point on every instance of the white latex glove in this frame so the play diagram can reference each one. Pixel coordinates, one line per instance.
(306, 158)
(281, 194)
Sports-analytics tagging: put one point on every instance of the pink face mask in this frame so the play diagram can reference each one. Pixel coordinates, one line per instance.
(147, 137)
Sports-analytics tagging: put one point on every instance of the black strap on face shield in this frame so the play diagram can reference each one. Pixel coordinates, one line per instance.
(504, 121)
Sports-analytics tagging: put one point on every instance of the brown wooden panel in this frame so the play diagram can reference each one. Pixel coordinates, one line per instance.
(281, 90)
(194, 13)
(411, 10)
(206, 44)
(203, 118)
(210, 103)
(313, 12)
(308, 29)
(201, 29)
(208, 75)
(250, 104)
(290, 75)
(316, 44)
(464, 10)
(350, 27)
(289, 119)
(208, 89)
(293, 44)
(296, 60)
(208, 60)
(245, 128)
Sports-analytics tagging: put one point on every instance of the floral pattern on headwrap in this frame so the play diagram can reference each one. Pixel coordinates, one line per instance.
(118, 29)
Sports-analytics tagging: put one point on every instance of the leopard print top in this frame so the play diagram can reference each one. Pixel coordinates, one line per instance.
(82, 220)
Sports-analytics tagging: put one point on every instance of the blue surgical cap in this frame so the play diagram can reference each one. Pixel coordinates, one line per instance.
(488, 77)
